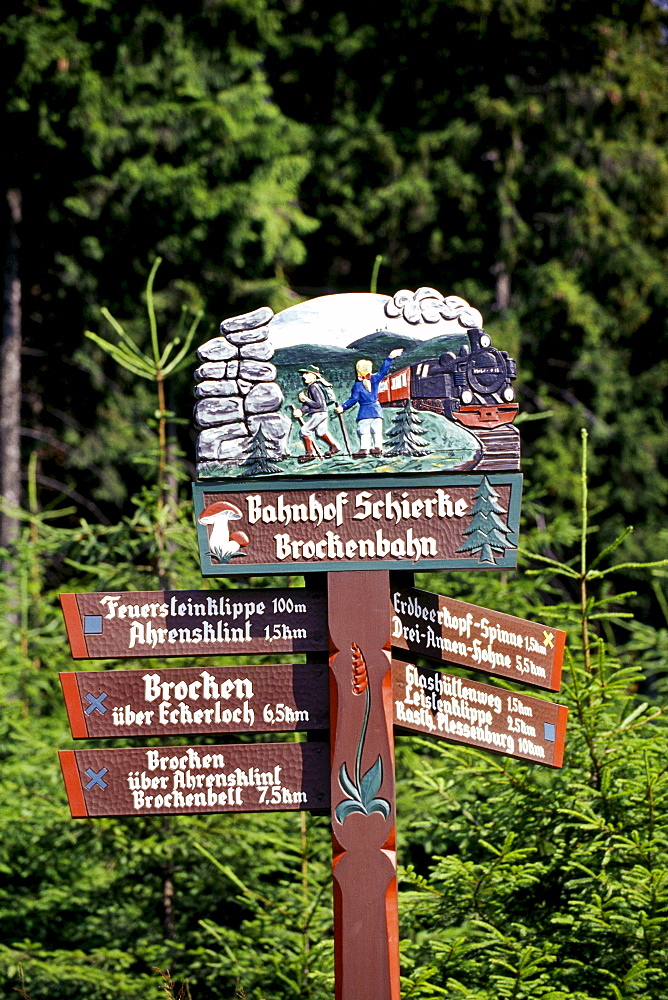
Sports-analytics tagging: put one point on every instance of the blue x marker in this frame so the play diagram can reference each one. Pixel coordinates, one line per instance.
(96, 777)
(96, 703)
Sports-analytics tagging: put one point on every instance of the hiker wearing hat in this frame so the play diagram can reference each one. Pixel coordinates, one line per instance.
(314, 413)
(364, 393)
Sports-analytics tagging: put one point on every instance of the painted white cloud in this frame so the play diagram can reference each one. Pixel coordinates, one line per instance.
(340, 320)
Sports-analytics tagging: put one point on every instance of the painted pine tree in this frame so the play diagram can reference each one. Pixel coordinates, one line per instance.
(487, 531)
(404, 436)
(258, 463)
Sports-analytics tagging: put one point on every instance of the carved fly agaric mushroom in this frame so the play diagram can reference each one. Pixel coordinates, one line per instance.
(222, 544)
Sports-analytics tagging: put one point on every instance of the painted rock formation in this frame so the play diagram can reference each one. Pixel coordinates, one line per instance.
(237, 393)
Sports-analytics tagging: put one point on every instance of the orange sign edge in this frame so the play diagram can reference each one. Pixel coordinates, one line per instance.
(557, 663)
(75, 795)
(562, 719)
(75, 634)
(75, 712)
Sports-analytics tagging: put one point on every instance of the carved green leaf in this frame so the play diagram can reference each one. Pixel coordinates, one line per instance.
(348, 785)
(379, 806)
(347, 807)
(372, 781)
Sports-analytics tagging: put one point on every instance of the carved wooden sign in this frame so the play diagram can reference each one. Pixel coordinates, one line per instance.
(370, 695)
(143, 781)
(355, 384)
(275, 697)
(194, 622)
(350, 432)
(430, 522)
(464, 711)
(495, 643)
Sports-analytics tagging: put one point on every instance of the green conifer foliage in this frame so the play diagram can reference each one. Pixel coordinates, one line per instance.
(404, 436)
(513, 153)
(258, 462)
(486, 530)
(138, 130)
(539, 885)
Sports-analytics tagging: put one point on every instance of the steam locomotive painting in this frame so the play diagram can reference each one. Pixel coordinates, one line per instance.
(473, 387)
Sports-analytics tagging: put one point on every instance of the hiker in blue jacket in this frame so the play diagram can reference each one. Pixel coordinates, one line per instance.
(364, 393)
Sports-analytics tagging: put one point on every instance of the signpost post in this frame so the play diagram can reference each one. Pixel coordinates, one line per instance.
(445, 495)
(366, 918)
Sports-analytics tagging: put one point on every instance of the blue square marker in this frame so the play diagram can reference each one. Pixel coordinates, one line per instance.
(549, 731)
(92, 624)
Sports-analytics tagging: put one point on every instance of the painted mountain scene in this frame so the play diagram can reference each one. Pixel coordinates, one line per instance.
(352, 384)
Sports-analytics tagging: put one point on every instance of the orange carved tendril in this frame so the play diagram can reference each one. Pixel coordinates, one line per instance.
(360, 673)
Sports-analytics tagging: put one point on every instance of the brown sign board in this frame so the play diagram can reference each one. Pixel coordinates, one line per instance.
(444, 629)
(463, 711)
(465, 521)
(277, 697)
(194, 622)
(143, 781)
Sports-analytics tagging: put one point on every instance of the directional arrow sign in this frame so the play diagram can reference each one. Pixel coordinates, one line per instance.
(444, 629)
(142, 781)
(194, 622)
(440, 704)
(274, 697)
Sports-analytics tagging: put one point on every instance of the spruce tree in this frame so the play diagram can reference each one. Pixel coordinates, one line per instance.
(536, 187)
(486, 531)
(257, 463)
(404, 436)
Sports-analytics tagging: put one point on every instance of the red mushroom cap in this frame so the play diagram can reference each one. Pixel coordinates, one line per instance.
(220, 507)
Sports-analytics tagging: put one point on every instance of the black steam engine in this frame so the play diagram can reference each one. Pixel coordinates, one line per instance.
(472, 387)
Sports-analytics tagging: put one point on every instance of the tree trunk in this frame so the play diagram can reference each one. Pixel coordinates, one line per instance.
(10, 384)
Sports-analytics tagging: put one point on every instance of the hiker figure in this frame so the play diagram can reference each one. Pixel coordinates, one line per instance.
(312, 415)
(364, 393)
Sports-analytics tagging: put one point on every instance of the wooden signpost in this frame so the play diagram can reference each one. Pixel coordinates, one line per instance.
(454, 708)
(277, 697)
(413, 467)
(169, 780)
(444, 629)
(194, 622)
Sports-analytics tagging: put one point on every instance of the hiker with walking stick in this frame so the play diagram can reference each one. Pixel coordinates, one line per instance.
(312, 415)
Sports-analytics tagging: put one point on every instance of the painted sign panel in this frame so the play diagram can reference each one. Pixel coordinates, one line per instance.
(428, 522)
(277, 697)
(463, 711)
(355, 384)
(143, 781)
(194, 622)
(444, 629)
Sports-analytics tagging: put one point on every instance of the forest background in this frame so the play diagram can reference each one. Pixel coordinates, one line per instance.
(509, 151)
